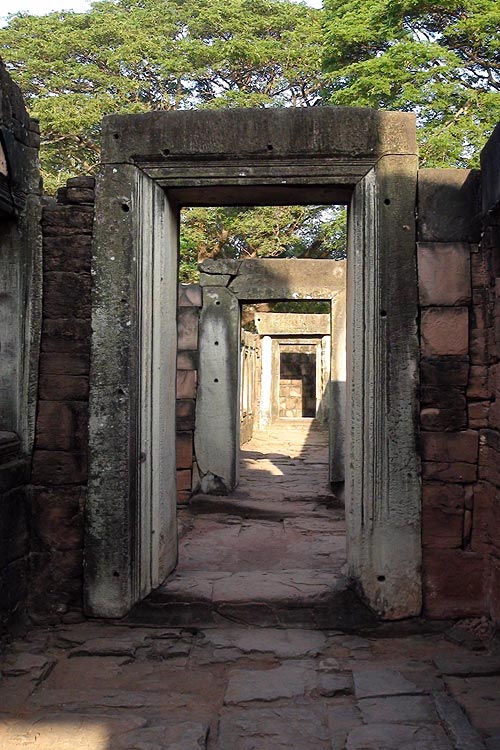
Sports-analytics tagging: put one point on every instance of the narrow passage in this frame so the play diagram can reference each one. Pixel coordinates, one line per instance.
(273, 551)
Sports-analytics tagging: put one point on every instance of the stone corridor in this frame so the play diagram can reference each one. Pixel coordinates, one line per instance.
(270, 553)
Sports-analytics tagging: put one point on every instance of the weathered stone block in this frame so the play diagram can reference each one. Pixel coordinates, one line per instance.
(486, 517)
(478, 385)
(67, 220)
(184, 450)
(444, 274)
(450, 447)
(444, 371)
(14, 537)
(443, 419)
(54, 468)
(454, 584)
(67, 253)
(445, 331)
(183, 480)
(187, 328)
(65, 363)
(57, 517)
(63, 387)
(66, 295)
(444, 397)
(449, 472)
(449, 205)
(186, 384)
(478, 414)
(71, 336)
(190, 295)
(187, 360)
(185, 414)
(489, 456)
(442, 527)
(62, 426)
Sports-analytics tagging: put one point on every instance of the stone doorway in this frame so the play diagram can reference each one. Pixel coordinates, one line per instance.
(154, 163)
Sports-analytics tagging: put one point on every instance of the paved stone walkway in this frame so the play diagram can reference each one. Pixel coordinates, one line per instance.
(98, 686)
(271, 553)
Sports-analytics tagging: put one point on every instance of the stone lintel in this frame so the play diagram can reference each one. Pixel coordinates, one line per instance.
(287, 324)
(264, 134)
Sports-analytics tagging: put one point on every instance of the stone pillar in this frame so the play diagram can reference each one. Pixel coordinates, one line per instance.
(337, 388)
(266, 382)
(217, 434)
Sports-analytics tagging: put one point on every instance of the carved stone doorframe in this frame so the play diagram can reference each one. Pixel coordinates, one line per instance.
(152, 165)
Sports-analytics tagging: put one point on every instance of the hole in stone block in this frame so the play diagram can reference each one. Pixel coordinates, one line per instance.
(381, 578)
(125, 208)
(270, 147)
(216, 343)
(218, 302)
(216, 380)
(116, 136)
(166, 152)
(383, 314)
(116, 574)
(387, 201)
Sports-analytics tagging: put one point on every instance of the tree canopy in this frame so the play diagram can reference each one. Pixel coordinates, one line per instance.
(133, 56)
(437, 58)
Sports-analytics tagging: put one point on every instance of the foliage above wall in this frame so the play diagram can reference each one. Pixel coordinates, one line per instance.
(437, 58)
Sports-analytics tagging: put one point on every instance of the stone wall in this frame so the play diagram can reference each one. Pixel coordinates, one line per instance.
(190, 298)
(297, 381)
(20, 279)
(60, 459)
(460, 441)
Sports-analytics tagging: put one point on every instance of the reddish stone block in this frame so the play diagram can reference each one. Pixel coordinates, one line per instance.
(187, 328)
(71, 336)
(442, 527)
(183, 497)
(444, 276)
(489, 456)
(185, 414)
(57, 517)
(453, 583)
(478, 414)
(66, 295)
(494, 590)
(184, 450)
(67, 220)
(479, 270)
(64, 363)
(67, 253)
(445, 331)
(63, 387)
(438, 495)
(187, 360)
(186, 384)
(80, 195)
(54, 468)
(447, 447)
(190, 295)
(449, 472)
(486, 518)
(184, 479)
(61, 426)
(478, 386)
(443, 419)
(443, 397)
(444, 371)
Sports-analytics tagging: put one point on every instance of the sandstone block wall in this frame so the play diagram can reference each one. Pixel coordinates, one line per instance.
(20, 253)
(190, 300)
(460, 442)
(59, 474)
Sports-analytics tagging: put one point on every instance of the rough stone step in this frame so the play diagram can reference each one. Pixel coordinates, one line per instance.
(270, 509)
(286, 598)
